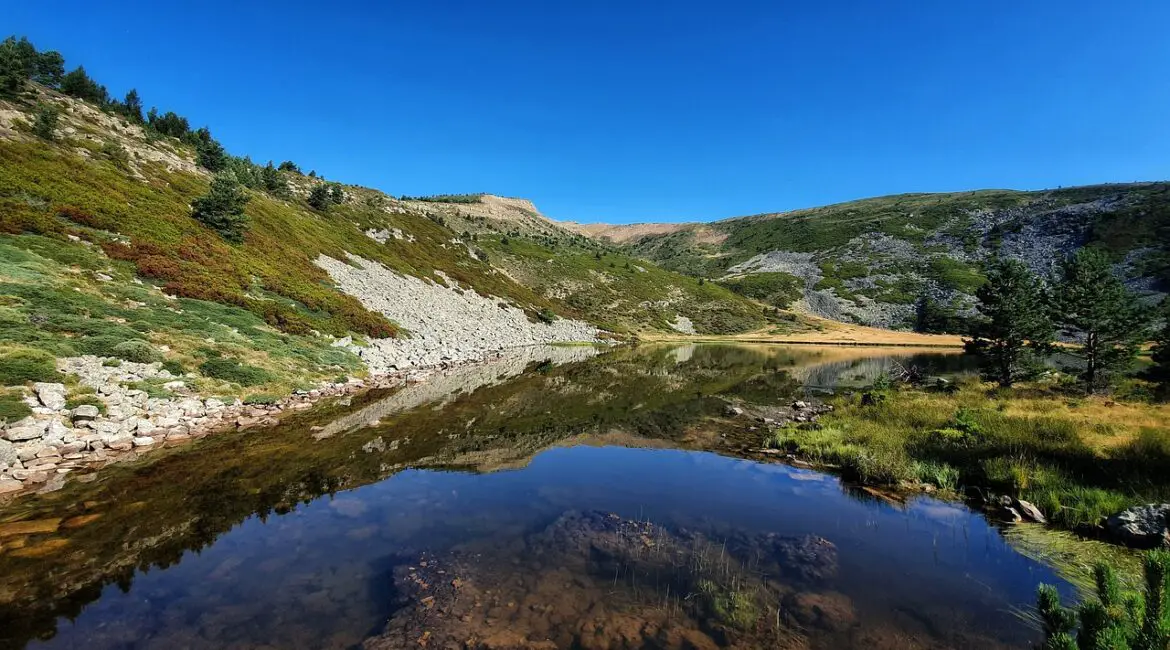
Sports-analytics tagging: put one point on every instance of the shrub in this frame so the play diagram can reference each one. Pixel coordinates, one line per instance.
(174, 367)
(137, 351)
(23, 366)
(90, 399)
(232, 370)
(13, 408)
(261, 399)
(942, 475)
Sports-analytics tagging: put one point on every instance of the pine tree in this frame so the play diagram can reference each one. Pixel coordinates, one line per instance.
(1161, 352)
(132, 106)
(208, 151)
(222, 208)
(1116, 620)
(50, 68)
(12, 72)
(1015, 326)
(1094, 306)
(336, 194)
(320, 198)
(272, 181)
(45, 123)
(78, 84)
(289, 166)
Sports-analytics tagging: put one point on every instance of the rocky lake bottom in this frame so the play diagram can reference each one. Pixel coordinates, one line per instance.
(569, 501)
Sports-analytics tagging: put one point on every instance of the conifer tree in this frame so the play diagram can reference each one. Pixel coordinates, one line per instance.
(45, 121)
(1015, 326)
(132, 106)
(1096, 308)
(320, 198)
(222, 208)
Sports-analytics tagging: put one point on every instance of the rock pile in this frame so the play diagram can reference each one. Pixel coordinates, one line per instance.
(39, 450)
(444, 323)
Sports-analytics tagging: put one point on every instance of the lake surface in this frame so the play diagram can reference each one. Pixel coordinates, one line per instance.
(552, 499)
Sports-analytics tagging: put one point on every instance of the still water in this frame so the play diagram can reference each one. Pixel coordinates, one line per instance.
(555, 499)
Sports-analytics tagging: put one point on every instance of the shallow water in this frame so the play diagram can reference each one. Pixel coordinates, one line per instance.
(556, 498)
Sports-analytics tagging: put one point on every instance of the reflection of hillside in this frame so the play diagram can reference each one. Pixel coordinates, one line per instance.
(486, 418)
(441, 387)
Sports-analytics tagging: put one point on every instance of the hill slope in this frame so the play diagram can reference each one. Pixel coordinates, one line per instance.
(100, 254)
(876, 261)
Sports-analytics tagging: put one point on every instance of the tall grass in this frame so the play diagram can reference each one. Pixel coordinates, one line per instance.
(1078, 462)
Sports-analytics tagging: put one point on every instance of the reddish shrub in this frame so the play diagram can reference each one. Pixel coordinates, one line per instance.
(157, 266)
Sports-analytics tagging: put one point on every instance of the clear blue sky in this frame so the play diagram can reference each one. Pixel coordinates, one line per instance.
(637, 111)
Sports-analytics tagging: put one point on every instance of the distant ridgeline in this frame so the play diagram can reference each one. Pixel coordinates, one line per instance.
(915, 260)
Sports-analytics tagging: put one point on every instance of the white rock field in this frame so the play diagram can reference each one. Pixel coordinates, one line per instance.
(444, 323)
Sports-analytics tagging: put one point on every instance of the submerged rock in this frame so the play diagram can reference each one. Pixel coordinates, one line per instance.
(1141, 526)
(598, 580)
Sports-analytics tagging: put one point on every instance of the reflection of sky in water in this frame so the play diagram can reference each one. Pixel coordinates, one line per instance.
(318, 577)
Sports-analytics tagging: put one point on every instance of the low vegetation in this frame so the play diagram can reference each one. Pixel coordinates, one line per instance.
(1117, 618)
(1077, 458)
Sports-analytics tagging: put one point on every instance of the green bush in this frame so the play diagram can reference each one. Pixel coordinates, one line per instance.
(232, 370)
(137, 351)
(174, 367)
(261, 399)
(90, 399)
(13, 407)
(23, 366)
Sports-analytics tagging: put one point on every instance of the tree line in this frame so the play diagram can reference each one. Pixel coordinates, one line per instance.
(222, 208)
(1104, 324)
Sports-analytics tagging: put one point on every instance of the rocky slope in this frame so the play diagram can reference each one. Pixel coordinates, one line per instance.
(874, 261)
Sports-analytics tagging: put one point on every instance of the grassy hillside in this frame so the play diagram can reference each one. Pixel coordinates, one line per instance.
(876, 261)
(98, 247)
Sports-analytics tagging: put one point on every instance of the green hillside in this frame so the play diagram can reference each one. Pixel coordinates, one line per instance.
(876, 261)
(114, 228)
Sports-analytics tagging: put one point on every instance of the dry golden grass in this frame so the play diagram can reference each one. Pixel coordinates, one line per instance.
(812, 330)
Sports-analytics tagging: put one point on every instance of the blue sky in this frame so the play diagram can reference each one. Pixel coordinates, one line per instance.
(626, 111)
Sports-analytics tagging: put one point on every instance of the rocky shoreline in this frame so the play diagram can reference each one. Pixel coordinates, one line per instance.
(40, 452)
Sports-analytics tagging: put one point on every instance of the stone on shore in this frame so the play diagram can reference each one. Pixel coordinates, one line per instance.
(1141, 526)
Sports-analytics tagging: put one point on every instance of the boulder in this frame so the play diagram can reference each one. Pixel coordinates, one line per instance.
(51, 395)
(26, 430)
(85, 412)
(1141, 526)
(1030, 512)
(56, 430)
(9, 485)
(8, 454)
(143, 441)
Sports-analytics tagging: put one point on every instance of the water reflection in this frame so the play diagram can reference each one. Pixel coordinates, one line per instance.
(228, 543)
